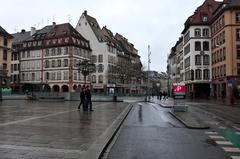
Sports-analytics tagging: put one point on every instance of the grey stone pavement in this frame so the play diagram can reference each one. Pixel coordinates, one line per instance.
(215, 109)
(42, 130)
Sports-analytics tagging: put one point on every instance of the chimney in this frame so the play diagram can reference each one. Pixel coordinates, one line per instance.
(85, 12)
(23, 31)
(33, 30)
(54, 24)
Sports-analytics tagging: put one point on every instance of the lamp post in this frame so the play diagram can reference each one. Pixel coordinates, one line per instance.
(149, 61)
(86, 67)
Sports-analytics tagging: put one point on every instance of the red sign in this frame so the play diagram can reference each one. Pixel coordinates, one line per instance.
(179, 88)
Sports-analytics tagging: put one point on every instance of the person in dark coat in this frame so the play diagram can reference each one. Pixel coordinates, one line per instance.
(82, 99)
(160, 95)
(89, 98)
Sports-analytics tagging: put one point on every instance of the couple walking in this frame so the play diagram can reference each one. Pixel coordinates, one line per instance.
(85, 99)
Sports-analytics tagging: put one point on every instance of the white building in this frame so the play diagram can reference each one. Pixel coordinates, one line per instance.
(103, 51)
(196, 50)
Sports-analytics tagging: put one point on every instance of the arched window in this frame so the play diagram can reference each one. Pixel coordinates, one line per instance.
(93, 78)
(100, 68)
(100, 79)
(198, 74)
(206, 74)
(205, 46)
(197, 46)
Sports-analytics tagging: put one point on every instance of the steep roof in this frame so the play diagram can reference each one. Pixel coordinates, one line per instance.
(202, 15)
(19, 37)
(110, 38)
(4, 33)
(95, 27)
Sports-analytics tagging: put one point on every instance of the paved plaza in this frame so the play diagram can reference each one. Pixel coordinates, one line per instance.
(30, 129)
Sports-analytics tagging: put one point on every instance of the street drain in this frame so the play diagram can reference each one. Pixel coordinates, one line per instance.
(211, 142)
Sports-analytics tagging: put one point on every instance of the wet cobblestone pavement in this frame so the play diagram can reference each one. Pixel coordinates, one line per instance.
(41, 130)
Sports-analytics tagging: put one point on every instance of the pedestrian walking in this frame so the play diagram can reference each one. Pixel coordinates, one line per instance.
(82, 99)
(88, 98)
(164, 95)
(160, 95)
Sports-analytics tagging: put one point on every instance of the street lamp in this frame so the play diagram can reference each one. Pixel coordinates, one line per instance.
(86, 67)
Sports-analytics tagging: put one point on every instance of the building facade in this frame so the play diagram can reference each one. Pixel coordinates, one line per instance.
(49, 58)
(107, 51)
(196, 50)
(225, 29)
(5, 57)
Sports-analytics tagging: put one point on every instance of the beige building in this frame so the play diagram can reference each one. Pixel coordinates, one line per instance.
(5, 56)
(225, 39)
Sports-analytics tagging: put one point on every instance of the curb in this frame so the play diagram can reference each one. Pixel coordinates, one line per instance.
(188, 125)
(99, 146)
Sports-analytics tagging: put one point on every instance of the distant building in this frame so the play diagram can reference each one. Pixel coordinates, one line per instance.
(107, 51)
(5, 57)
(18, 39)
(49, 57)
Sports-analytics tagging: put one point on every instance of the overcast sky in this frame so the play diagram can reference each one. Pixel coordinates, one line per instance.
(157, 23)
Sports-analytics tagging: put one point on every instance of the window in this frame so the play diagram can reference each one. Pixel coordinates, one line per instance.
(238, 68)
(75, 75)
(100, 68)
(33, 77)
(59, 63)
(197, 46)
(198, 74)
(238, 34)
(94, 58)
(205, 32)
(187, 62)
(46, 64)
(93, 79)
(206, 74)
(205, 46)
(197, 32)
(28, 54)
(187, 49)
(65, 63)
(47, 52)
(65, 75)
(238, 51)
(53, 63)
(66, 51)
(100, 79)
(198, 60)
(59, 51)
(100, 58)
(205, 18)
(53, 52)
(59, 75)
(186, 37)
(5, 42)
(5, 54)
(206, 60)
(47, 76)
(238, 17)
(224, 53)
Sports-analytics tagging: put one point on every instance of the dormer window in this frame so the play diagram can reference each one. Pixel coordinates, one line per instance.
(204, 18)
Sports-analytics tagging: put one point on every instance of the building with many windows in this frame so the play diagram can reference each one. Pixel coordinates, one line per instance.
(107, 51)
(225, 31)
(196, 50)
(5, 57)
(50, 56)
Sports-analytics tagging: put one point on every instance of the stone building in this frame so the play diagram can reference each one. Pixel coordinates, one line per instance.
(5, 57)
(49, 58)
